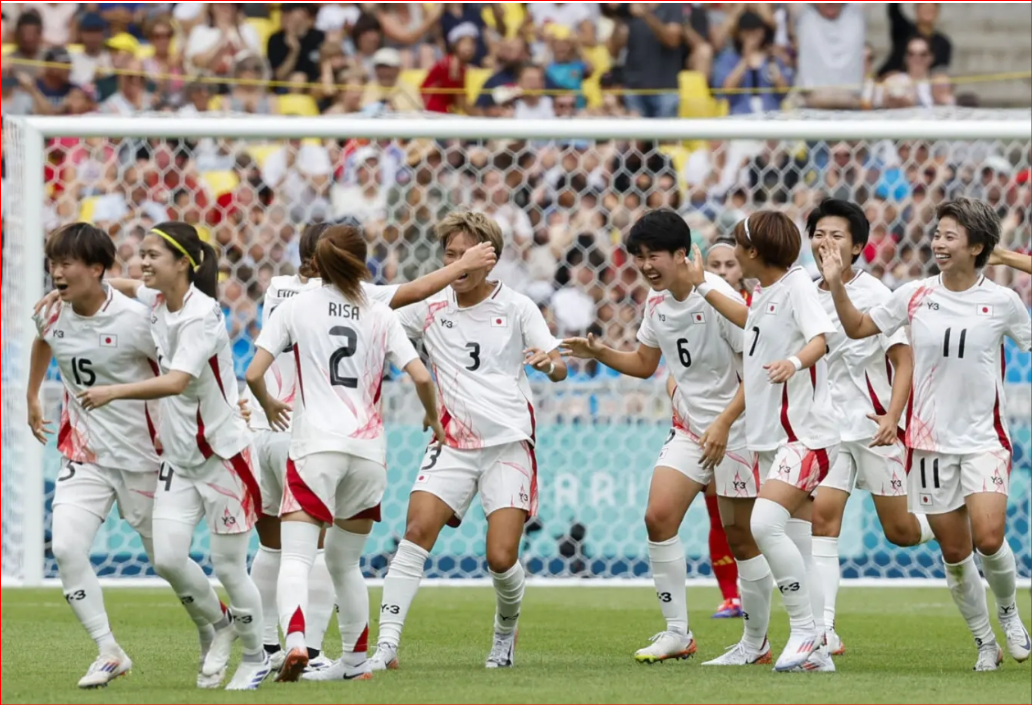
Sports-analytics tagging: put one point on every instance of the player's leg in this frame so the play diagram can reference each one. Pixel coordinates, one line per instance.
(988, 513)
(829, 505)
(935, 488)
(722, 561)
(321, 601)
(272, 451)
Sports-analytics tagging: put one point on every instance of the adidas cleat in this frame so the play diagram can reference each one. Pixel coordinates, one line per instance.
(217, 658)
(503, 650)
(105, 669)
(729, 609)
(666, 646)
(249, 676)
(385, 658)
(742, 655)
(835, 644)
(819, 662)
(797, 652)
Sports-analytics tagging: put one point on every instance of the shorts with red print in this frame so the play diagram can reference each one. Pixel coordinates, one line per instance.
(939, 483)
(222, 491)
(795, 464)
(334, 487)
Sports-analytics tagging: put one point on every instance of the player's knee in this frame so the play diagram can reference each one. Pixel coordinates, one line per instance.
(989, 541)
(501, 559)
(767, 523)
(69, 550)
(660, 523)
(826, 522)
(901, 533)
(740, 541)
(167, 563)
(420, 534)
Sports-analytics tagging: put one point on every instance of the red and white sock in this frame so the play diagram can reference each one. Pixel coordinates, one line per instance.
(300, 543)
(343, 561)
(725, 570)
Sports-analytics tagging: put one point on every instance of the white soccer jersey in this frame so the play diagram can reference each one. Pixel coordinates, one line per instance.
(858, 370)
(114, 346)
(477, 357)
(280, 379)
(702, 350)
(204, 420)
(783, 318)
(958, 397)
(339, 350)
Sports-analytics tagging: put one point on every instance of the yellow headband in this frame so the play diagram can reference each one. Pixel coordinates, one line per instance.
(170, 240)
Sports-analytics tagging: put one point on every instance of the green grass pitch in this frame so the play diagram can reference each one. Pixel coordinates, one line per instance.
(904, 646)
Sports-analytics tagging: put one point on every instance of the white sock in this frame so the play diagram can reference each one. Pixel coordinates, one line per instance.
(509, 587)
(968, 592)
(399, 589)
(769, 521)
(229, 558)
(321, 600)
(265, 573)
(343, 561)
(670, 573)
(1000, 572)
(801, 533)
(927, 535)
(299, 543)
(826, 560)
(757, 587)
(173, 563)
(73, 532)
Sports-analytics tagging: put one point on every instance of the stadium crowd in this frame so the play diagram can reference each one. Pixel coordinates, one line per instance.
(564, 207)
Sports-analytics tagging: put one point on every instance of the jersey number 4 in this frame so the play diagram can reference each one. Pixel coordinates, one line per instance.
(350, 348)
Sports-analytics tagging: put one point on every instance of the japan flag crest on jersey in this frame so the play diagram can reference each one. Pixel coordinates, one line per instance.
(108, 340)
(985, 310)
(499, 322)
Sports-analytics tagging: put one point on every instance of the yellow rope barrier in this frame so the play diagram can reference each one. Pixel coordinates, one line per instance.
(217, 80)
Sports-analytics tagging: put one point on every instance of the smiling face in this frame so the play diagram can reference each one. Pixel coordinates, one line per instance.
(950, 246)
(161, 270)
(836, 230)
(658, 267)
(454, 249)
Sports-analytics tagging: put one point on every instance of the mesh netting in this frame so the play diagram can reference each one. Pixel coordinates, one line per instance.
(564, 208)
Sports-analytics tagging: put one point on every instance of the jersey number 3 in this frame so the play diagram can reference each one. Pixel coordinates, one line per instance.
(350, 348)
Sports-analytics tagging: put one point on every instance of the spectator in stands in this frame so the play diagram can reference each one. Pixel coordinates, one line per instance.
(365, 197)
(122, 49)
(443, 87)
(831, 39)
(132, 95)
(652, 35)
(336, 19)
(916, 87)
(512, 53)
(469, 18)
(696, 39)
(28, 42)
(902, 30)
(386, 90)
(532, 105)
(579, 18)
(58, 20)
(127, 201)
(299, 176)
(165, 66)
(295, 48)
(367, 38)
(410, 28)
(249, 93)
(749, 64)
(213, 45)
(349, 99)
(94, 58)
(568, 67)
(53, 82)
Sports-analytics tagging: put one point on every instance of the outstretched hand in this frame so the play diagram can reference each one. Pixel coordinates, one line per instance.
(585, 348)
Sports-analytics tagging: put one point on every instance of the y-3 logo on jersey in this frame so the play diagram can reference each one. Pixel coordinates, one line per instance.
(932, 306)
(59, 334)
(446, 323)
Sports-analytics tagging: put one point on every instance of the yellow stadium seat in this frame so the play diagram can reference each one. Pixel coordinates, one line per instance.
(264, 29)
(696, 100)
(75, 48)
(475, 80)
(261, 152)
(413, 77)
(514, 14)
(7, 49)
(600, 60)
(87, 208)
(302, 105)
(220, 182)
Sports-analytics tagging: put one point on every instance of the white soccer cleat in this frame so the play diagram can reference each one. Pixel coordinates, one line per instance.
(503, 650)
(211, 682)
(277, 658)
(385, 658)
(249, 676)
(341, 670)
(1018, 641)
(293, 666)
(319, 663)
(836, 647)
(217, 658)
(665, 646)
(990, 657)
(797, 652)
(105, 669)
(819, 662)
(742, 655)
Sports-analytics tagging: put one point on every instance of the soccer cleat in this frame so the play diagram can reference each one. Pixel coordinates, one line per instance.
(797, 652)
(990, 657)
(1018, 642)
(221, 649)
(665, 646)
(819, 662)
(249, 676)
(341, 670)
(276, 659)
(293, 666)
(211, 682)
(729, 609)
(503, 650)
(385, 658)
(105, 669)
(835, 645)
(319, 663)
(742, 655)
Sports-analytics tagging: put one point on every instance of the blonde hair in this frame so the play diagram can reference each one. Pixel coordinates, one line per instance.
(477, 225)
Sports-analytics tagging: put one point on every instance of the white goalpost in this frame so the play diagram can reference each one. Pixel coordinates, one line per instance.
(565, 189)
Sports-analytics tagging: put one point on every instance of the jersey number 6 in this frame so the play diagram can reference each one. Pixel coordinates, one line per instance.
(350, 348)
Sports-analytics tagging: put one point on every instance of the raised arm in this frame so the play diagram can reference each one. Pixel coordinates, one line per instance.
(667, 33)
(734, 311)
(642, 363)
(126, 287)
(482, 256)
(1014, 260)
(855, 323)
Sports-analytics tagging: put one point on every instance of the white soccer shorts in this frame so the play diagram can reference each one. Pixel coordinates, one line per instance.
(225, 492)
(795, 464)
(881, 470)
(737, 476)
(504, 475)
(95, 489)
(938, 484)
(272, 450)
(330, 486)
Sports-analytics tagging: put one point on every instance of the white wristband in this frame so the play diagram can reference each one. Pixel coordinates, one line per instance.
(551, 368)
(796, 362)
(704, 289)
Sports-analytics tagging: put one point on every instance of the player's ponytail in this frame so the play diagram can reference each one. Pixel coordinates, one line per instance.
(340, 259)
(309, 239)
(183, 241)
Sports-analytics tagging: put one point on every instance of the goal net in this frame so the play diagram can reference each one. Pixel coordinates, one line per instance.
(565, 194)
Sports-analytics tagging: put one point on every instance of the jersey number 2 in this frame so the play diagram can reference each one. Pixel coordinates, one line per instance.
(349, 349)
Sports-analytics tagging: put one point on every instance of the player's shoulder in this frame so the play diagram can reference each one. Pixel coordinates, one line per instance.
(871, 288)
(798, 277)
(717, 282)
(510, 297)
(1004, 294)
(199, 306)
(120, 305)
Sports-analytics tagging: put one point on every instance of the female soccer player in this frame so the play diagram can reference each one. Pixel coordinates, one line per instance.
(707, 442)
(272, 447)
(870, 387)
(959, 451)
(341, 341)
(206, 470)
(720, 260)
(98, 336)
(479, 335)
(788, 417)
